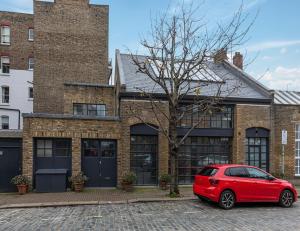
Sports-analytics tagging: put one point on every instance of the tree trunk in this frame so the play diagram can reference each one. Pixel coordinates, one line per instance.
(173, 153)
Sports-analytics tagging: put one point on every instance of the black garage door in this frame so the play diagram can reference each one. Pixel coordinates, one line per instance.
(10, 162)
(99, 162)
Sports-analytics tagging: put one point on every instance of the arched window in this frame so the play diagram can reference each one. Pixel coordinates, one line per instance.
(144, 153)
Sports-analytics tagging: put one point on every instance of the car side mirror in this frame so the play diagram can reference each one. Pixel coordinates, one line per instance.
(270, 178)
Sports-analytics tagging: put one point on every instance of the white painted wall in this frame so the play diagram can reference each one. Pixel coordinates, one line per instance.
(19, 82)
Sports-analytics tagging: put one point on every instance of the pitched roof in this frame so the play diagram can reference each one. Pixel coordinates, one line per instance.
(286, 97)
(228, 74)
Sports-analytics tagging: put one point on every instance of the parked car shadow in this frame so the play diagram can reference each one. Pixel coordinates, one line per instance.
(213, 205)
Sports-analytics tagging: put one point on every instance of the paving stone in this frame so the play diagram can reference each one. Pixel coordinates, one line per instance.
(180, 215)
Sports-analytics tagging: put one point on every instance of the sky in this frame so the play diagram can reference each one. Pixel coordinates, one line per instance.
(272, 51)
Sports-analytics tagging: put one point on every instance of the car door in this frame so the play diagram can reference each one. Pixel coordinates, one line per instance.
(242, 185)
(266, 190)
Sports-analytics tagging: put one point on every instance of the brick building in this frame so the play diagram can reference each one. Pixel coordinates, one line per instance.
(82, 123)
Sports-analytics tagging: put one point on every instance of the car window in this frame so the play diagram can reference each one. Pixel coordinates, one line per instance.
(208, 171)
(256, 173)
(236, 172)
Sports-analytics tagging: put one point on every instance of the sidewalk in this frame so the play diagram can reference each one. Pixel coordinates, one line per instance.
(89, 197)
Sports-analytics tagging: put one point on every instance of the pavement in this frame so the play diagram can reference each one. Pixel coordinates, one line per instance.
(191, 215)
(90, 197)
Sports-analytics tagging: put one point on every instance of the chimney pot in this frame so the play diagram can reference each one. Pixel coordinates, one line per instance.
(238, 60)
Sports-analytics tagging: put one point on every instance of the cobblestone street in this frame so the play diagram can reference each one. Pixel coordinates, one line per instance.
(183, 215)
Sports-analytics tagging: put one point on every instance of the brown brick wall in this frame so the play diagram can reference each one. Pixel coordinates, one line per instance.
(285, 117)
(129, 110)
(65, 128)
(248, 116)
(20, 48)
(89, 95)
(71, 45)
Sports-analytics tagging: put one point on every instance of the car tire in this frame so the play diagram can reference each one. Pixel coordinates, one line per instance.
(227, 200)
(286, 199)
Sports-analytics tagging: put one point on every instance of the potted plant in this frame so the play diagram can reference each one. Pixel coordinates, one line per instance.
(22, 183)
(164, 181)
(78, 181)
(128, 181)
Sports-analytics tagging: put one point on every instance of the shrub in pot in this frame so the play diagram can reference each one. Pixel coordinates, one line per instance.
(78, 181)
(22, 183)
(164, 181)
(128, 181)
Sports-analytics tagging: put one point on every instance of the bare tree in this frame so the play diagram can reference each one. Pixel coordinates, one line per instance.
(178, 61)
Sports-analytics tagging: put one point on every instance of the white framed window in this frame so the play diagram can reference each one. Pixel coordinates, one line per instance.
(5, 35)
(30, 63)
(30, 92)
(5, 65)
(4, 122)
(30, 34)
(297, 150)
(5, 94)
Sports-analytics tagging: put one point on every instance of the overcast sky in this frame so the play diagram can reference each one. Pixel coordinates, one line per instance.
(274, 39)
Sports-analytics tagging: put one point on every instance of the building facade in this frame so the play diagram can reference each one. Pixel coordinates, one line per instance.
(16, 69)
(80, 122)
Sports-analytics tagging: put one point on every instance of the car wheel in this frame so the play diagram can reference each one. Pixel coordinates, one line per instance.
(286, 199)
(227, 199)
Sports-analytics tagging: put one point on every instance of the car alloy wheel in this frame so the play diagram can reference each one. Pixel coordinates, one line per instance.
(286, 199)
(227, 199)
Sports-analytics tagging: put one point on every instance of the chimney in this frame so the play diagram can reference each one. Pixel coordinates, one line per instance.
(220, 56)
(238, 60)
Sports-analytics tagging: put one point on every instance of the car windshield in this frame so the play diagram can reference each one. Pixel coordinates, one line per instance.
(208, 171)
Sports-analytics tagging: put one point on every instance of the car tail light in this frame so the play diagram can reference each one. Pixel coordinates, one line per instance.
(213, 182)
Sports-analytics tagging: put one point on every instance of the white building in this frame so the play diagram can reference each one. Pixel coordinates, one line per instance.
(16, 68)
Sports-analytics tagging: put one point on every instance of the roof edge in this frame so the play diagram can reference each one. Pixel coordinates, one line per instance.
(249, 79)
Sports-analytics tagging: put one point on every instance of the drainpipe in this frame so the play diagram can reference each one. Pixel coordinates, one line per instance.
(19, 121)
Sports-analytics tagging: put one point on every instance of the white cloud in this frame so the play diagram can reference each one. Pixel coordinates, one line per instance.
(272, 44)
(282, 78)
(283, 50)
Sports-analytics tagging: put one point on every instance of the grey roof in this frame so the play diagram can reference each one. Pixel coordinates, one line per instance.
(236, 83)
(11, 133)
(286, 97)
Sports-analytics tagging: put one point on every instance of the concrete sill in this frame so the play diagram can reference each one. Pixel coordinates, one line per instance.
(4, 104)
(5, 44)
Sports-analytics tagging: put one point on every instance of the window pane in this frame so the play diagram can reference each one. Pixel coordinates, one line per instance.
(48, 152)
(91, 147)
(255, 173)
(48, 144)
(108, 149)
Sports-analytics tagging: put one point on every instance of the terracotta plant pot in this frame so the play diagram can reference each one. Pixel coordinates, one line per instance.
(128, 187)
(163, 185)
(22, 189)
(78, 187)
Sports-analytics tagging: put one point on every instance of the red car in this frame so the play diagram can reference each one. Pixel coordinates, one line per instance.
(229, 184)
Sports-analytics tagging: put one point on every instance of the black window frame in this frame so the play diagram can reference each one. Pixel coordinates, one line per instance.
(222, 117)
(86, 111)
(4, 126)
(5, 91)
(54, 147)
(30, 92)
(99, 148)
(197, 152)
(152, 150)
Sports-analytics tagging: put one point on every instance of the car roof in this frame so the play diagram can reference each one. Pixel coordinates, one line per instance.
(227, 165)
